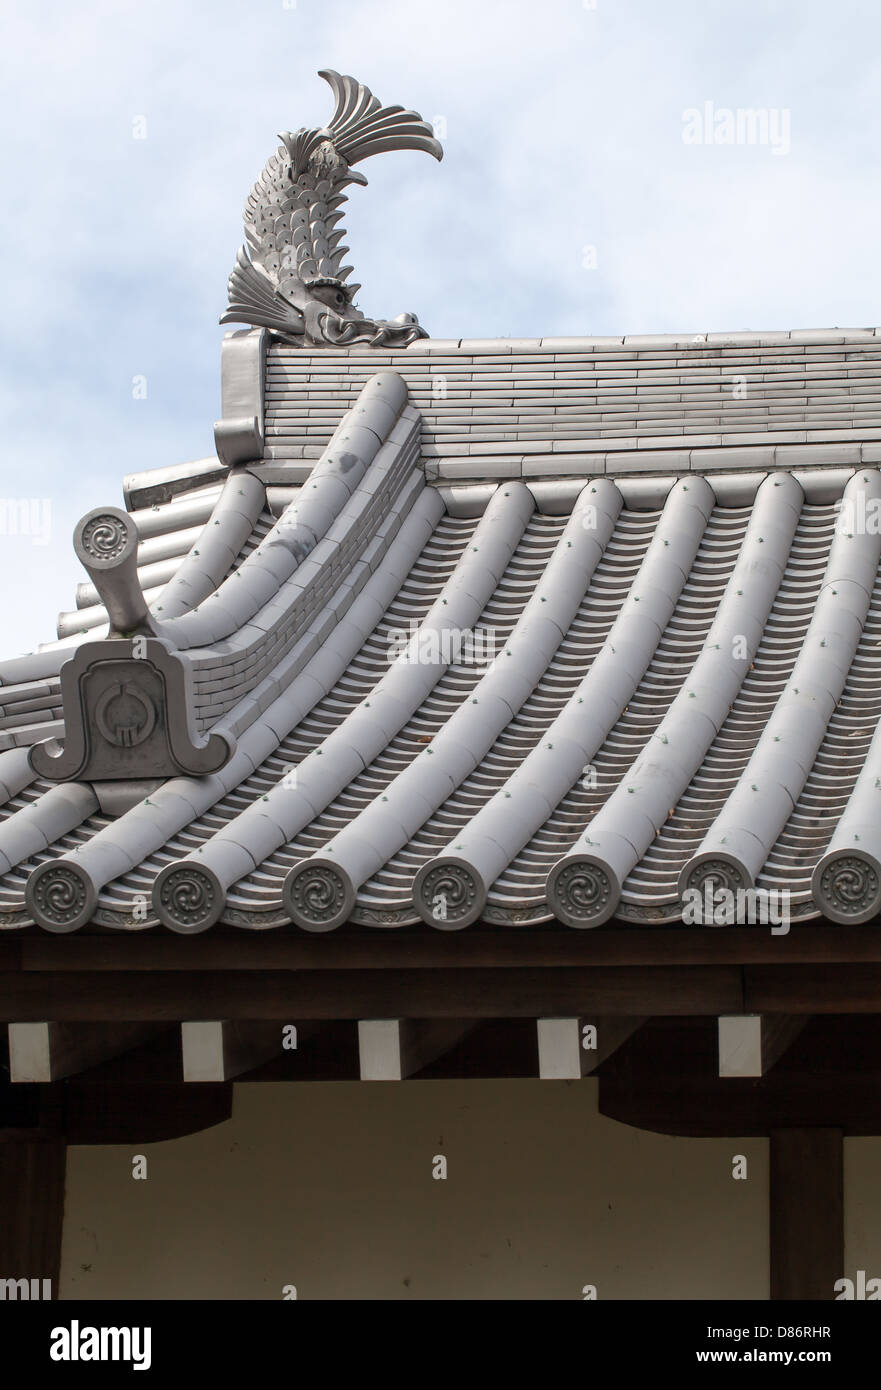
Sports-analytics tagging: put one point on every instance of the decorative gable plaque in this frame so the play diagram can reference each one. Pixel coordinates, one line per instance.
(127, 715)
(127, 700)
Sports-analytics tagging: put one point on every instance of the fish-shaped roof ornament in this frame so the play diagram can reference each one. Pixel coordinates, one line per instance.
(289, 275)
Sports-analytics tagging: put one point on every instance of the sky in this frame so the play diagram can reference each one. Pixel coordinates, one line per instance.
(595, 180)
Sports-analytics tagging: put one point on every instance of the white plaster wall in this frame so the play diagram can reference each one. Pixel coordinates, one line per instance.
(862, 1207)
(328, 1186)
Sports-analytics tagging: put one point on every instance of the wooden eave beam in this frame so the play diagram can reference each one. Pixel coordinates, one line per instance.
(42, 1052)
(418, 948)
(390, 1049)
(750, 1044)
(217, 1050)
(479, 993)
(563, 1053)
(666, 1080)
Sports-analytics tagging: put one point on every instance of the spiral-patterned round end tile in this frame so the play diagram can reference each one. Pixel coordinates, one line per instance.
(60, 896)
(449, 894)
(582, 891)
(188, 897)
(708, 888)
(846, 886)
(318, 895)
(105, 537)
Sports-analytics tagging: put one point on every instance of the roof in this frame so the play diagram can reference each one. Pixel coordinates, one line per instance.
(508, 631)
(576, 407)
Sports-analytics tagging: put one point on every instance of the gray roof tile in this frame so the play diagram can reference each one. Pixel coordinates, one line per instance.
(695, 703)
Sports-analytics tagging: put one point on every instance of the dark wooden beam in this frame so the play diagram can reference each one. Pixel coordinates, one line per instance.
(390, 1049)
(750, 1044)
(822, 989)
(327, 1050)
(32, 1170)
(495, 1047)
(49, 1051)
(485, 1048)
(134, 1114)
(441, 993)
(829, 1078)
(217, 1050)
(32, 1209)
(562, 1054)
(225, 948)
(806, 1213)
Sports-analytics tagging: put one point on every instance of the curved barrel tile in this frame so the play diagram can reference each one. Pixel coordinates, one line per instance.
(59, 903)
(331, 485)
(144, 829)
(201, 557)
(209, 561)
(152, 578)
(262, 827)
(169, 518)
(331, 630)
(846, 883)
(257, 611)
(320, 891)
(226, 672)
(584, 888)
(173, 545)
(158, 561)
(16, 772)
(37, 826)
(35, 666)
(738, 843)
(79, 625)
(166, 533)
(293, 652)
(460, 877)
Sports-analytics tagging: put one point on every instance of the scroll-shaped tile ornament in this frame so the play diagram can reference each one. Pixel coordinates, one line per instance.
(127, 701)
(290, 277)
(127, 714)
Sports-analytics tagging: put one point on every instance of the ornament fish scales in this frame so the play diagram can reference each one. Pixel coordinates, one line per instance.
(289, 275)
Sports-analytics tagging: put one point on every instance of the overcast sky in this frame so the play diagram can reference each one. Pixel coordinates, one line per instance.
(586, 188)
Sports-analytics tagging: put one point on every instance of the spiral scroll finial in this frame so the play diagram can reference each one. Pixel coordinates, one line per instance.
(448, 894)
(846, 886)
(188, 897)
(582, 891)
(106, 542)
(318, 895)
(60, 896)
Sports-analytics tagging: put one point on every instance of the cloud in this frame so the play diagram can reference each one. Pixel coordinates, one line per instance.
(564, 130)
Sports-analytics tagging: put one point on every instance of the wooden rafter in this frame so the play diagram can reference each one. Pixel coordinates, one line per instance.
(572, 1047)
(393, 1048)
(750, 1044)
(44, 1052)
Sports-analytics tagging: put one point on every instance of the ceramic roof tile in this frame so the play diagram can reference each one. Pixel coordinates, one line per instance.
(490, 701)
